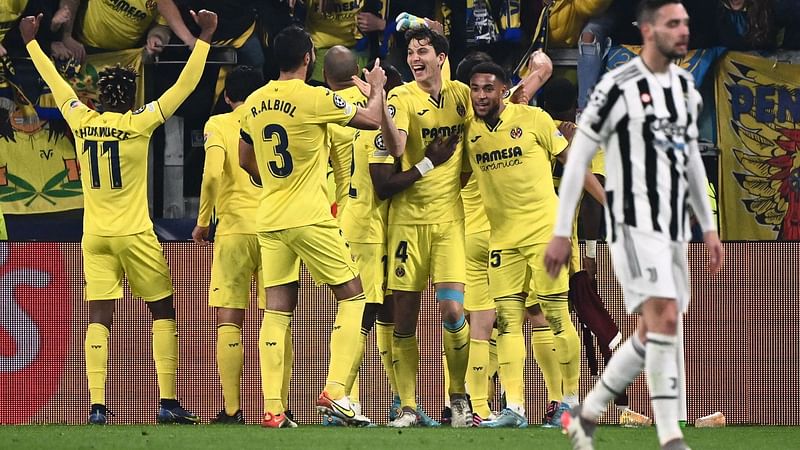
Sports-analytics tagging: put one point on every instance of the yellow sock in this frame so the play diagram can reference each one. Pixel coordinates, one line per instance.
(383, 335)
(230, 360)
(544, 351)
(455, 339)
(492, 364)
(272, 355)
(351, 388)
(511, 348)
(344, 344)
(476, 377)
(288, 360)
(95, 350)
(165, 355)
(566, 341)
(406, 363)
(445, 370)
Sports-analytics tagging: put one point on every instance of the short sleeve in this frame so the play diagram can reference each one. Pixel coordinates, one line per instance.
(147, 118)
(547, 133)
(595, 119)
(74, 111)
(398, 110)
(378, 153)
(332, 108)
(213, 136)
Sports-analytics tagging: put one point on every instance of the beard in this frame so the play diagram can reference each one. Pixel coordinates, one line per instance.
(668, 51)
(490, 113)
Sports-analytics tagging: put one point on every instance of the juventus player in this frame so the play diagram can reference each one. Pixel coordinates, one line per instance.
(645, 115)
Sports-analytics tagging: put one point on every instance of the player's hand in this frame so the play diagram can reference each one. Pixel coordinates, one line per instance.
(3, 51)
(200, 235)
(62, 16)
(376, 77)
(568, 130)
(207, 21)
(440, 150)
(154, 45)
(362, 85)
(716, 253)
(29, 26)
(75, 47)
(557, 255)
(368, 22)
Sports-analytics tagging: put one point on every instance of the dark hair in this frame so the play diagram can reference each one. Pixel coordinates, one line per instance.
(241, 82)
(291, 46)
(646, 10)
(464, 69)
(393, 77)
(425, 34)
(558, 95)
(490, 68)
(117, 86)
(760, 27)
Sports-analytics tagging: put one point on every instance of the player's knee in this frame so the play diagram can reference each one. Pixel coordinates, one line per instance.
(162, 309)
(453, 321)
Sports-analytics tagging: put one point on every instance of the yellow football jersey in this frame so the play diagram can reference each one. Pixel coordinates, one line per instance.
(116, 25)
(286, 122)
(434, 198)
(112, 147)
(227, 188)
(339, 142)
(475, 220)
(511, 162)
(336, 26)
(365, 218)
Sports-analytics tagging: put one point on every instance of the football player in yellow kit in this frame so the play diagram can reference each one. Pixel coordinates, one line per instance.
(118, 235)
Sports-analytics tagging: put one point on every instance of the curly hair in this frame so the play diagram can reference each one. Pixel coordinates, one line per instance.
(117, 86)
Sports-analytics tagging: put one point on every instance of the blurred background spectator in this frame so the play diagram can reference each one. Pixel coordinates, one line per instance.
(746, 25)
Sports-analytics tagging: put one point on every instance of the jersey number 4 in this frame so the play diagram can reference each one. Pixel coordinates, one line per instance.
(276, 134)
(110, 149)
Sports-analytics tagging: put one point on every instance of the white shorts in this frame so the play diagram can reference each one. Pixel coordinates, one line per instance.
(649, 264)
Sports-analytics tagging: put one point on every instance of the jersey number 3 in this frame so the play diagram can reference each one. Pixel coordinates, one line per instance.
(276, 134)
(109, 149)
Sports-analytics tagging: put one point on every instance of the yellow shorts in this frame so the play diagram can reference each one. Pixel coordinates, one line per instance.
(371, 262)
(237, 259)
(516, 270)
(138, 257)
(320, 246)
(476, 291)
(417, 252)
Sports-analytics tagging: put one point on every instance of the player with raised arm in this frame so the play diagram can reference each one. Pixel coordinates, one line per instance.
(644, 114)
(118, 235)
(509, 147)
(228, 193)
(282, 146)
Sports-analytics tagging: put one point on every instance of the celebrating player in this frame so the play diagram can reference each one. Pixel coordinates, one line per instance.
(118, 234)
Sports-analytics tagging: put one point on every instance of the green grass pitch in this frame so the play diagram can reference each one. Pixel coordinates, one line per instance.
(317, 437)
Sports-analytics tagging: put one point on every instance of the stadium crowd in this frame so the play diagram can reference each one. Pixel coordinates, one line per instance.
(399, 220)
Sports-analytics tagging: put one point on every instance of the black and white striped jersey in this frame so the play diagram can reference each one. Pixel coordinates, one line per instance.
(646, 122)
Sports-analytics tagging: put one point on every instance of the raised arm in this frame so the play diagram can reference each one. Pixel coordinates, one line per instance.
(191, 73)
(75, 47)
(369, 118)
(540, 68)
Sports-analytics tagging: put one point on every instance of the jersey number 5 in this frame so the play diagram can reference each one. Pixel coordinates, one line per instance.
(111, 149)
(277, 135)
